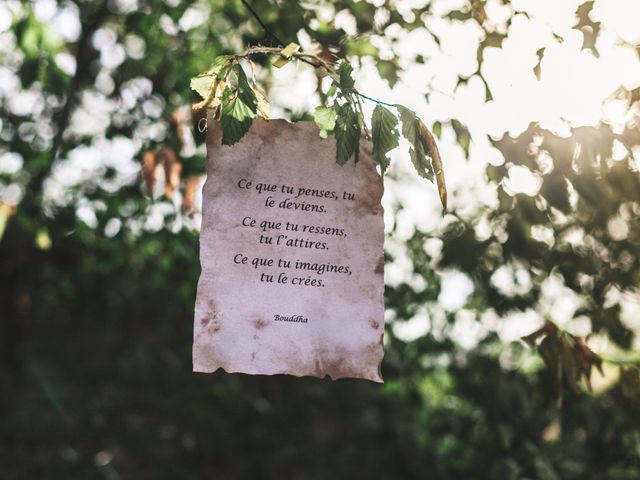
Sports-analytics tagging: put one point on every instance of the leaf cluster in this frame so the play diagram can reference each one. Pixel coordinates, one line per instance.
(567, 355)
(225, 89)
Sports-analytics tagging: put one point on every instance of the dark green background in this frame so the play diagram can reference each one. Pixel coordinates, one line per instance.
(95, 373)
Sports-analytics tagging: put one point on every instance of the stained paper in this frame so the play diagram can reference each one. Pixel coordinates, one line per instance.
(291, 250)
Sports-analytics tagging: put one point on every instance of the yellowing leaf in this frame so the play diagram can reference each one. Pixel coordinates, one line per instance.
(202, 84)
(211, 84)
(325, 119)
(263, 106)
(211, 97)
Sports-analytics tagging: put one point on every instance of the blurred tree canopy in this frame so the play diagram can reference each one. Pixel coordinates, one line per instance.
(98, 279)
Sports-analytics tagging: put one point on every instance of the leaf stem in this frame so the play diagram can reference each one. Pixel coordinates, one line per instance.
(366, 97)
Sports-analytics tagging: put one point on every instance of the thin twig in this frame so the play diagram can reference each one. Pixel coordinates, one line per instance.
(262, 24)
(306, 57)
(268, 30)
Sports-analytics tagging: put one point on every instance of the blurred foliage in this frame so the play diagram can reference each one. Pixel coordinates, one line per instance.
(97, 320)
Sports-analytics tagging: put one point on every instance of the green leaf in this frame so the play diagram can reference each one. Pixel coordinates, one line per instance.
(238, 109)
(345, 71)
(245, 93)
(347, 132)
(236, 117)
(325, 118)
(385, 134)
(410, 131)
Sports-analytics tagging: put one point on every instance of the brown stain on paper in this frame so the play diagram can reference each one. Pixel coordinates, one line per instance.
(331, 363)
(337, 363)
(211, 320)
(259, 323)
(379, 270)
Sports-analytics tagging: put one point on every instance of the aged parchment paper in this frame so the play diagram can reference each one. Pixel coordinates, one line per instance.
(291, 250)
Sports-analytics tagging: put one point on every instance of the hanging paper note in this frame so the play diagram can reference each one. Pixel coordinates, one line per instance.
(291, 249)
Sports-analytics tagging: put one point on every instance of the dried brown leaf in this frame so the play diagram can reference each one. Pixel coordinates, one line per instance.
(178, 119)
(190, 188)
(431, 149)
(172, 170)
(547, 329)
(586, 359)
(149, 164)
